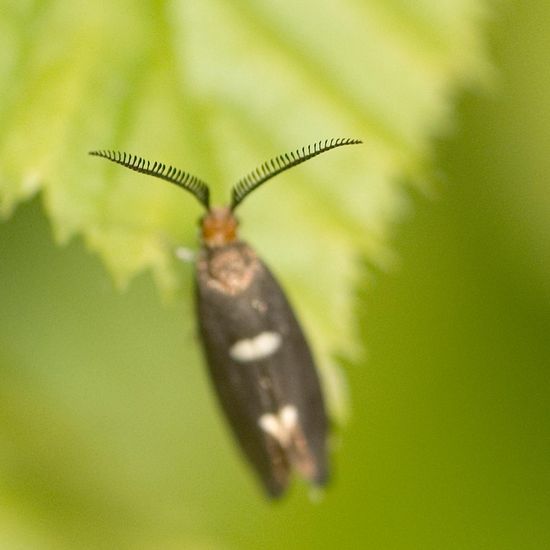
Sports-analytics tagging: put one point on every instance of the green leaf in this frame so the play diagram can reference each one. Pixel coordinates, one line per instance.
(215, 88)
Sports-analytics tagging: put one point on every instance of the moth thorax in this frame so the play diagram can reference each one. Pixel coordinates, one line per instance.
(218, 227)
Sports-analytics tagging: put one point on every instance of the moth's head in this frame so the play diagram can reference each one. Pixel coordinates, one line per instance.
(218, 227)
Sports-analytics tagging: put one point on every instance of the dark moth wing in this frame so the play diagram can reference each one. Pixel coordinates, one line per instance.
(261, 367)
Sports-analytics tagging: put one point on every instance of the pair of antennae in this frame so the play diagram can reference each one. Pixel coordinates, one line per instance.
(242, 188)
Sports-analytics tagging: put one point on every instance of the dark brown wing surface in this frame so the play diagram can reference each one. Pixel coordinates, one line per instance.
(261, 367)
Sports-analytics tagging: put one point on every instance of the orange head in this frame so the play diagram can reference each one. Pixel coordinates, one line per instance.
(218, 227)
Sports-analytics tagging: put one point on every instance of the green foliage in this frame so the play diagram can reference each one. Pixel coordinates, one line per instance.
(215, 88)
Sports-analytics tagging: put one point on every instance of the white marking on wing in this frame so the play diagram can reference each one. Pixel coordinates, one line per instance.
(269, 423)
(288, 416)
(259, 347)
(281, 425)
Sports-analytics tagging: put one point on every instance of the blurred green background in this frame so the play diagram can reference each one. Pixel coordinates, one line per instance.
(109, 434)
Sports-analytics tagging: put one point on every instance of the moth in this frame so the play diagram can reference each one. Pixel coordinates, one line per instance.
(259, 360)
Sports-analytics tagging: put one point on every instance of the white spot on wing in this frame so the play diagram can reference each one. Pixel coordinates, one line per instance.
(288, 416)
(280, 426)
(259, 347)
(269, 423)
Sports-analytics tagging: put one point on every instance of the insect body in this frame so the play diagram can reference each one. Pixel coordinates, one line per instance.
(259, 361)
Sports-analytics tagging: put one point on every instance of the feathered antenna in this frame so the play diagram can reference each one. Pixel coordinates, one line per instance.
(165, 172)
(279, 164)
